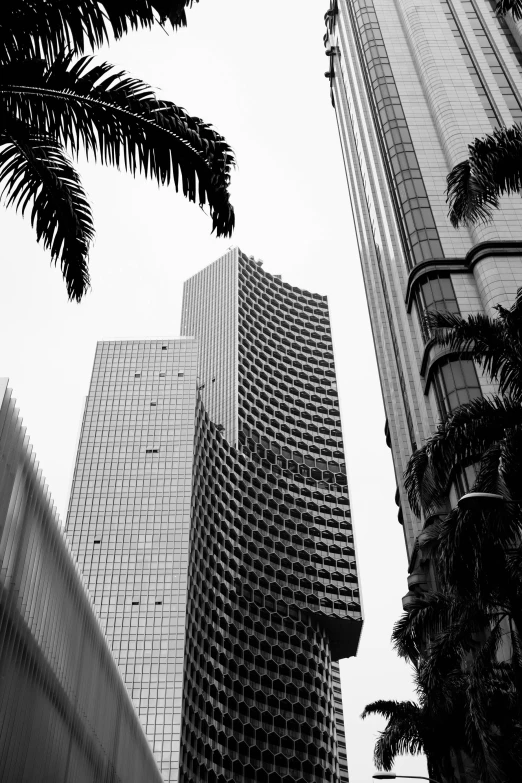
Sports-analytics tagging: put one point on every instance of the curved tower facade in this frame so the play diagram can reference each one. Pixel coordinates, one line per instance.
(273, 594)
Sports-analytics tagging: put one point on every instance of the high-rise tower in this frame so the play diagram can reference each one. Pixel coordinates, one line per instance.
(413, 83)
(210, 514)
(273, 594)
(129, 520)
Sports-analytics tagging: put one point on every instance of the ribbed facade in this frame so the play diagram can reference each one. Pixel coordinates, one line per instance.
(65, 714)
(412, 84)
(273, 592)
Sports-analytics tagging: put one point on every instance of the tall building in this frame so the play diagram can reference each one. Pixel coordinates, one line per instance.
(413, 82)
(129, 520)
(65, 714)
(210, 515)
(273, 593)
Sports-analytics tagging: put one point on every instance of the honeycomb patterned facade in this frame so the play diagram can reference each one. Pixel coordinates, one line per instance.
(273, 592)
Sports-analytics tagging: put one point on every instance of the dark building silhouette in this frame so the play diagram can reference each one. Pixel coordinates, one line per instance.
(65, 715)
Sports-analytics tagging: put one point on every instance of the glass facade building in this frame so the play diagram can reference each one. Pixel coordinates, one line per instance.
(129, 520)
(210, 515)
(65, 714)
(412, 84)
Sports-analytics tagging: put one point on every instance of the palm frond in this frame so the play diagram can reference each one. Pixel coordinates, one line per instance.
(481, 738)
(512, 318)
(45, 29)
(510, 468)
(402, 733)
(461, 640)
(467, 433)
(494, 168)
(488, 476)
(398, 739)
(503, 7)
(119, 121)
(471, 554)
(514, 564)
(390, 709)
(421, 486)
(37, 174)
(426, 617)
(494, 343)
(485, 339)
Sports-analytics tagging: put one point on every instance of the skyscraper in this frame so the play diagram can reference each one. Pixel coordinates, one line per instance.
(210, 514)
(412, 84)
(273, 593)
(129, 520)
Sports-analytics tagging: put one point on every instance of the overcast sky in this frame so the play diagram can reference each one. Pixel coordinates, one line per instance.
(254, 69)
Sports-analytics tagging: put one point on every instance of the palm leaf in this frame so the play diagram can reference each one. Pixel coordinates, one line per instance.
(36, 173)
(461, 438)
(505, 6)
(471, 553)
(510, 471)
(403, 733)
(493, 169)
(119, 121)
(425, 619)
(391, 710)
(495, 344)
(49, 27)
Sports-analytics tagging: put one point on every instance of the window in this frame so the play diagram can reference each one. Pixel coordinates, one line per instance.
(436, 292)
(455, 382)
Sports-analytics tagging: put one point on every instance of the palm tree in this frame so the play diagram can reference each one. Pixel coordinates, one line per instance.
(477, 554)
(489, 707)
(475, 621)
(52, 106)
(486, 430)
(469, 717)
(434, 726)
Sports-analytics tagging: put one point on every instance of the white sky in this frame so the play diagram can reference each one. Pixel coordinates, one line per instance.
(254, 69)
